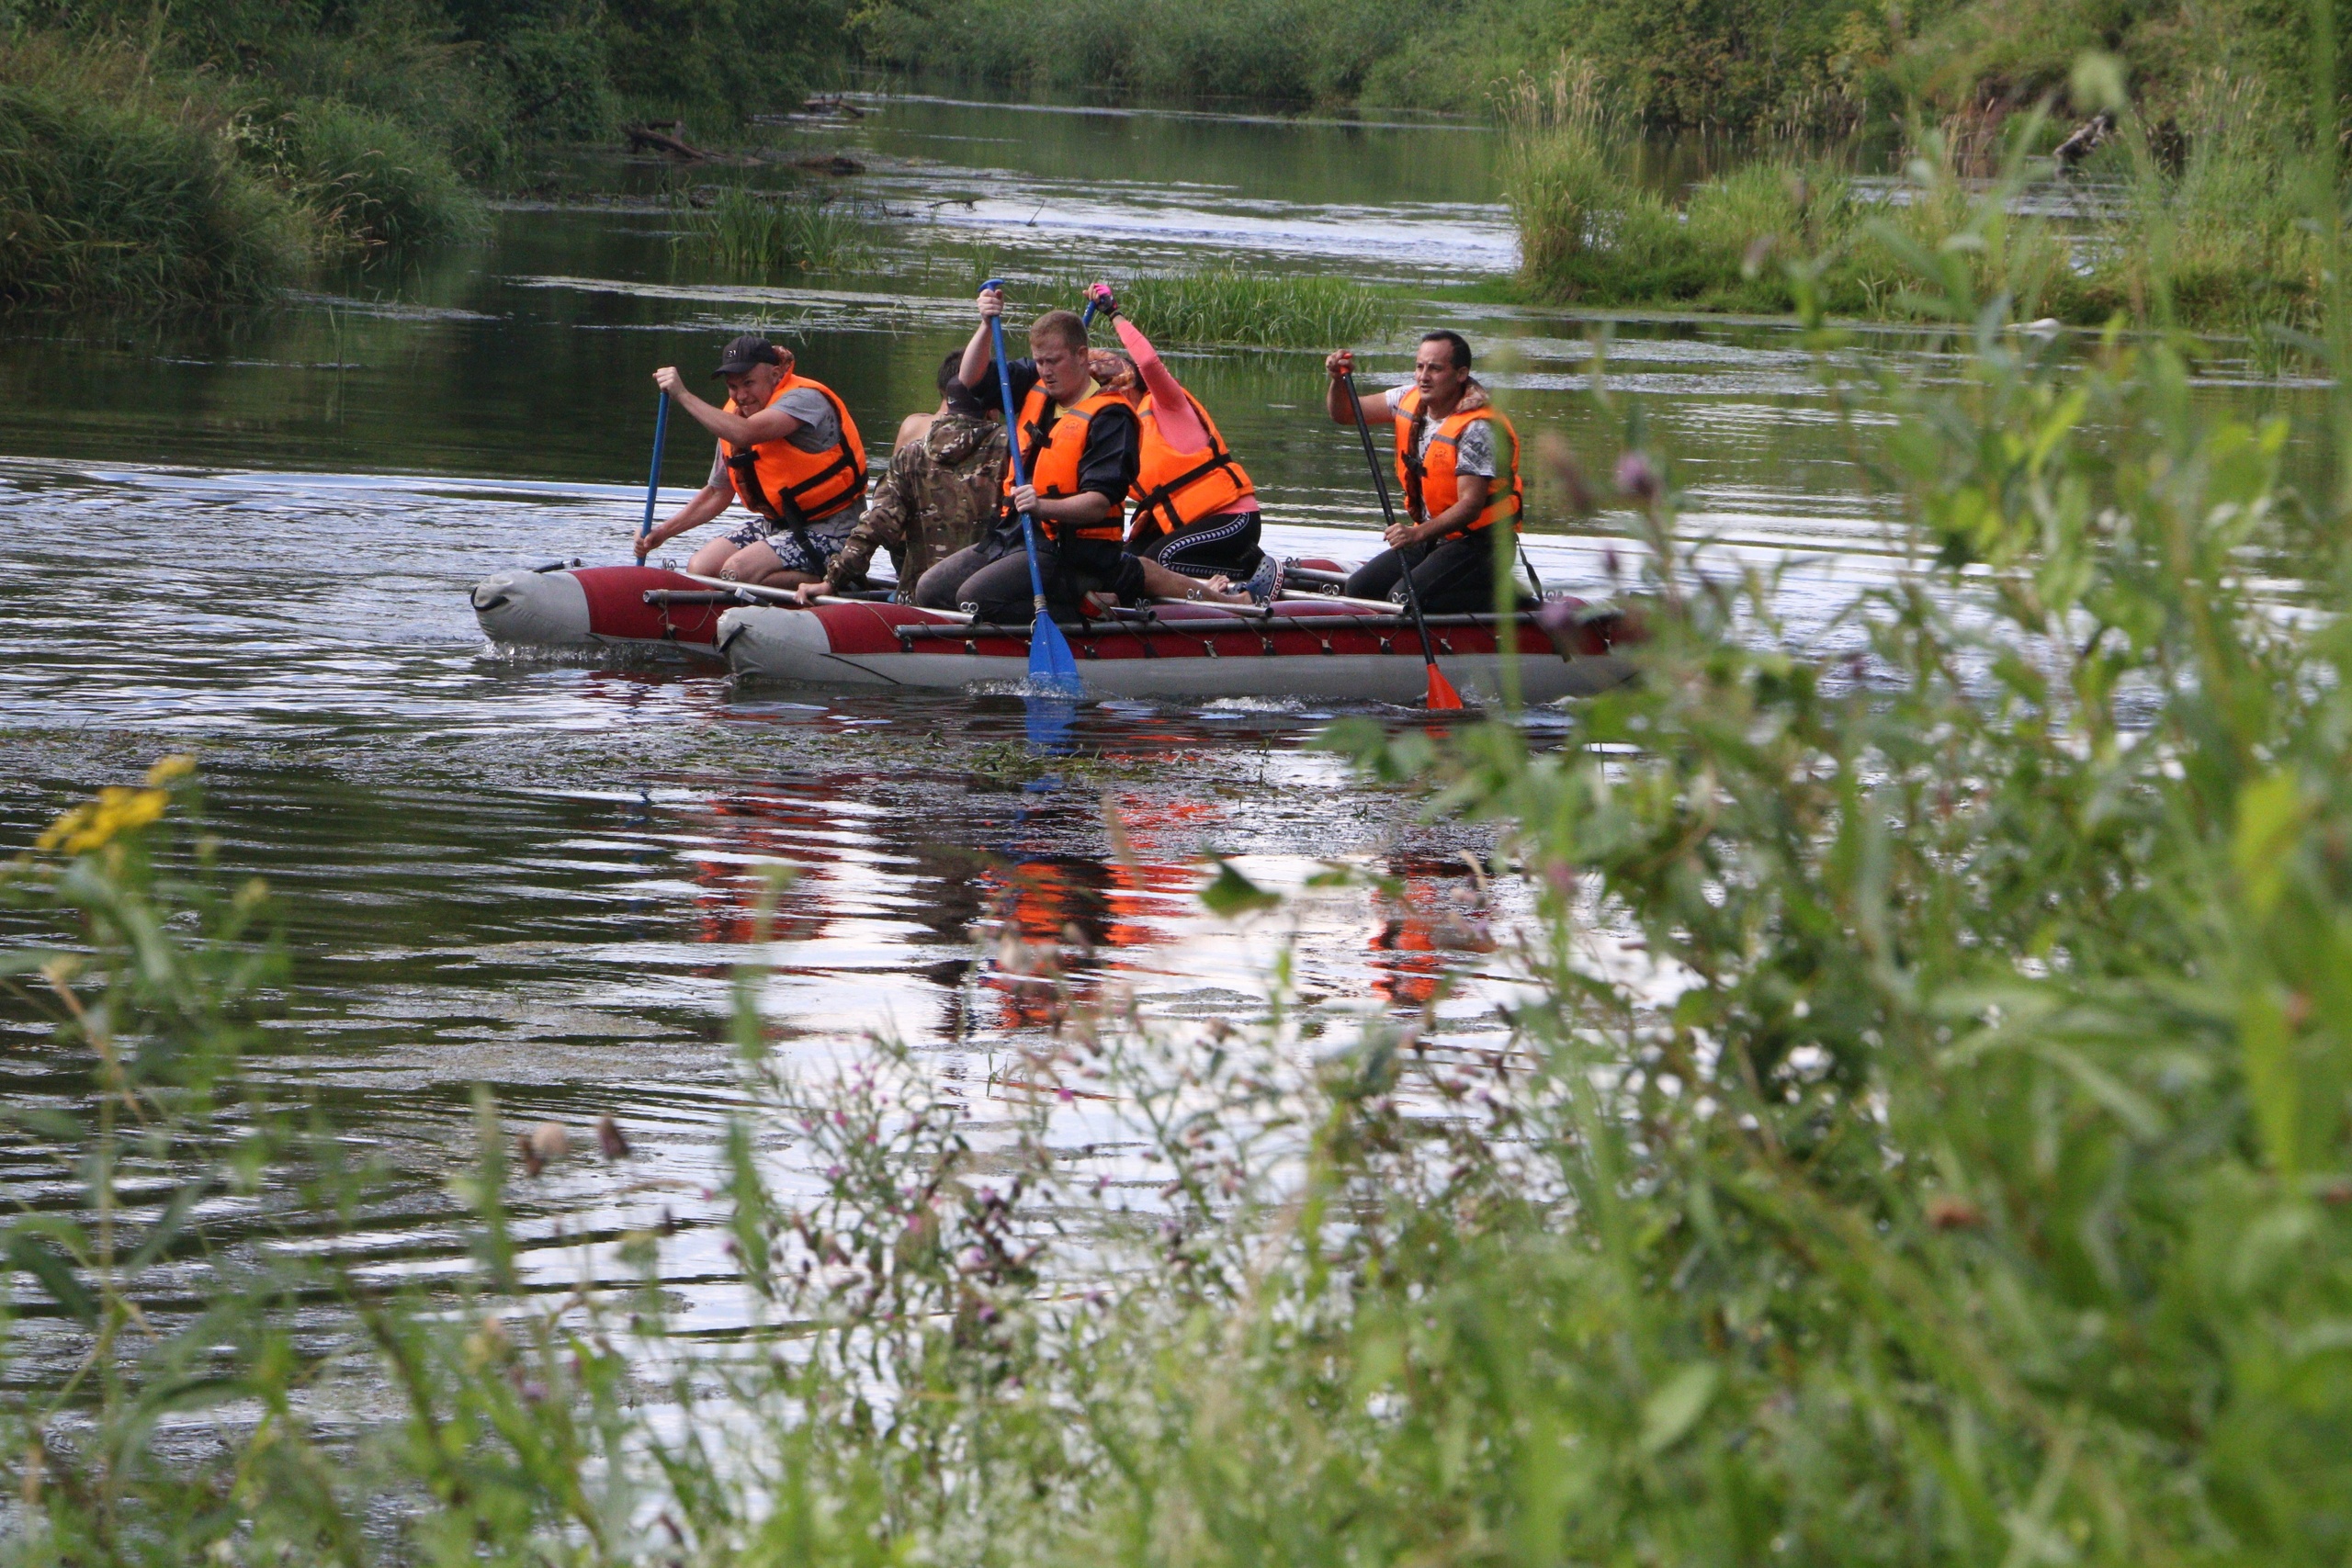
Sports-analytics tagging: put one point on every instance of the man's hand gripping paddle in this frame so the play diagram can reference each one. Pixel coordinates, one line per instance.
(653, 479)
(1441, 692)
(1052, 670)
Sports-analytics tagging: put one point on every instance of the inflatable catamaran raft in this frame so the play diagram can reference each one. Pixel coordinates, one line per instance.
(1304, 645)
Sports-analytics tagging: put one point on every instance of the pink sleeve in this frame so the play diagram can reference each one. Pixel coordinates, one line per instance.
(1169, 406)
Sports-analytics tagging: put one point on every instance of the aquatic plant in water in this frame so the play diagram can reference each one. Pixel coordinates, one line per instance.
(748, 229)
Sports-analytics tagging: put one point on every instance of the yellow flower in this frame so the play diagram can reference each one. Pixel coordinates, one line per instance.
(117, 810)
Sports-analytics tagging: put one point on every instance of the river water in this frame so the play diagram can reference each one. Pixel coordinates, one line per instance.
(254, 544)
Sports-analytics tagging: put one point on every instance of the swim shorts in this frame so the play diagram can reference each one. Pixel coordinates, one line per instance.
(787, 547)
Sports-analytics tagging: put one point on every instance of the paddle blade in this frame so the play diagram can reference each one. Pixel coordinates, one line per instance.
(1052, 668)
(1441, 692)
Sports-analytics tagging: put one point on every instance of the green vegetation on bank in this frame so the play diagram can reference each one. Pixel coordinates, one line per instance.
(207, 155)
(2213, 237)
(1916, 1135)
(1802, 66)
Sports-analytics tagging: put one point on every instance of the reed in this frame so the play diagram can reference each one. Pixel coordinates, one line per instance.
(746, 229)
(1228, 306)
(373, 184)
(114, 193)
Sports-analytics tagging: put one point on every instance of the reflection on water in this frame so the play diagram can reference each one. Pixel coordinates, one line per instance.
(255, 543)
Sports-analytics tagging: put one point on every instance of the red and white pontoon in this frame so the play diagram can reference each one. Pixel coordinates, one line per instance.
(1302, 648)
(1305, 645)
(604, 606)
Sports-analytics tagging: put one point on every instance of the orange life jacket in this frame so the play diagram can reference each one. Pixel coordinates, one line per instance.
(1174, 489)
(1430, 484)
(784, 484)
(1051, 455)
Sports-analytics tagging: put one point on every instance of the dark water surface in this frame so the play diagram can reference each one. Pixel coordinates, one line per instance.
(254, 544)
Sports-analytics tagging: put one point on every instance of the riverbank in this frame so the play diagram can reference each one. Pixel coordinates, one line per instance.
(216, 161)
(2213, 237)
(1807, 68)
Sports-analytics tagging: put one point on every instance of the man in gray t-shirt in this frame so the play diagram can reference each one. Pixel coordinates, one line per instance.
(799, 453)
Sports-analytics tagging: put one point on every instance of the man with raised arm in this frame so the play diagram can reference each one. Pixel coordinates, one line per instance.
(1079, 444)
(939, 494)
(1457, 461)
(789, 451)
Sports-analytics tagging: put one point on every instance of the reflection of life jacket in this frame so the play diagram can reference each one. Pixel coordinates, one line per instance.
(1175, 489)
(785, 485)
(1051, 454)
(1429, 480)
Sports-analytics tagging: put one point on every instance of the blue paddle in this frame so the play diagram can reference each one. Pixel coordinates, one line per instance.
(653, 479)
(1051, 667)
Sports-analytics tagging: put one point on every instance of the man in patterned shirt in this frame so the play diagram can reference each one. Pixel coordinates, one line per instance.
(939, 495)
(1457, 461)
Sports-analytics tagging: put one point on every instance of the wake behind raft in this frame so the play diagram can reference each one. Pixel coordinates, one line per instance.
(1305, 645)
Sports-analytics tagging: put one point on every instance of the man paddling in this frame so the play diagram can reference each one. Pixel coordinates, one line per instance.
(938, 496)
(1080, 447)
(789, 451)
(1457, 460)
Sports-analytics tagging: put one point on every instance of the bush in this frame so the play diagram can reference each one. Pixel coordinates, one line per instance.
(111, 194)
(372, 182)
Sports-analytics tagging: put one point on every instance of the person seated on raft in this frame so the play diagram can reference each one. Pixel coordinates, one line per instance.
(1457, 461)
(789, 451)
(1195, 510)
(1081, 447)
(938, 496)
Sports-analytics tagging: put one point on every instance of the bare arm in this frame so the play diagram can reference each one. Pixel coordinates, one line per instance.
(981, 349)
(707, 503)
(771, 424)
(1377, 409)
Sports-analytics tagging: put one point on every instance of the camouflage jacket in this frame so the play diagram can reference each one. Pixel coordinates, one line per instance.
(939, 495)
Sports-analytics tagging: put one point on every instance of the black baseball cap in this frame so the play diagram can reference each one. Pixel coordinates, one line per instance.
(746, 352)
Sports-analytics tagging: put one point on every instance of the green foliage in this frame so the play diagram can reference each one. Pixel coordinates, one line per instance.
(757, 230)
(370, 177)
(110, 192)
(1223, 304)
(212, 159)
(2217, 242)
(720, 60)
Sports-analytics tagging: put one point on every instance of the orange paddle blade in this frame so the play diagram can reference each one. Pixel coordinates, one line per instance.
(1441, 692)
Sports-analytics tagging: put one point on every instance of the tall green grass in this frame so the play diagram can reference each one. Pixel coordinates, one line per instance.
(371, 181)
(123, 187)
(750, 229)
(2217, 242)
(1225, 305)
(1231, 306)
(112, 194)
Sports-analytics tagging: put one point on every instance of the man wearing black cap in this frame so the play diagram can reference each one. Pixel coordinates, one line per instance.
(789, 451)
(939, 494)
